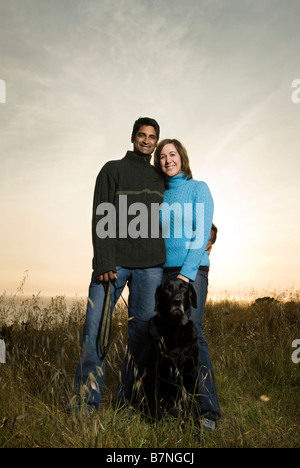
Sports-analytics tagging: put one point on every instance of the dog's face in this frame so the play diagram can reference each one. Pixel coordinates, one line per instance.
(173, 301)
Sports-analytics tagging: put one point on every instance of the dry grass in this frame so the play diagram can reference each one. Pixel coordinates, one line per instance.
(250, 345)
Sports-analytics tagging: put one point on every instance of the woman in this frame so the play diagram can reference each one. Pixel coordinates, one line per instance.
(186, 219)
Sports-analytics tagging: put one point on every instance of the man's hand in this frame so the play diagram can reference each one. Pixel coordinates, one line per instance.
(108, 276)
(209, 247)
(213, 238)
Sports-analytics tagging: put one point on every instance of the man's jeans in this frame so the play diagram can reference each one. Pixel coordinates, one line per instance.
(208, 404)
(142, 284)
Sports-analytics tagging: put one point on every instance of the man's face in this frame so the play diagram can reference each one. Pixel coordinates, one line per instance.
(145, 140)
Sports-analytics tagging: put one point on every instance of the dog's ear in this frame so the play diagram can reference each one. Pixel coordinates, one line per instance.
(193, 296)
(157, 292)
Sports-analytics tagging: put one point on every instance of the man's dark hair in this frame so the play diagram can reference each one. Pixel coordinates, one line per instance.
(144, 121)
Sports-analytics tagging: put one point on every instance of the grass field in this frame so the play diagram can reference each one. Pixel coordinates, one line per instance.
(250, 346)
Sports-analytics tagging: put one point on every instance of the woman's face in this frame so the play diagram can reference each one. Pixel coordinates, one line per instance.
(170, 160)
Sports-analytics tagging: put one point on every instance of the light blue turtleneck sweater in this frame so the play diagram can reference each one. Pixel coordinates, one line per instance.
(186, 218)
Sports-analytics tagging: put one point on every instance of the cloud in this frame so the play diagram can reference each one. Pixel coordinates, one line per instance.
(216, 75)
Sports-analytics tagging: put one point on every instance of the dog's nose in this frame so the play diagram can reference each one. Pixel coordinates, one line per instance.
(177, 302)
(177, 308)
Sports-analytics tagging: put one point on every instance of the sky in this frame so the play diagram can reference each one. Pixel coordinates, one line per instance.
(215, 74)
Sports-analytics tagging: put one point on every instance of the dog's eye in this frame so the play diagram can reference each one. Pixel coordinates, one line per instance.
(183, 288)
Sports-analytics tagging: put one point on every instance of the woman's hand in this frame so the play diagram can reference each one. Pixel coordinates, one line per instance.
(184, 278)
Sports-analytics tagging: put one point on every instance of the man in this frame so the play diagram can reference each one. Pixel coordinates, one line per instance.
(123, 254)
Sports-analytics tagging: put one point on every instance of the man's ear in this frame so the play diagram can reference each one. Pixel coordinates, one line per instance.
(193, 296)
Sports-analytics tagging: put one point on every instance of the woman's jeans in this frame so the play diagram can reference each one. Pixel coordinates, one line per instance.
(208, 404)
(142, 284)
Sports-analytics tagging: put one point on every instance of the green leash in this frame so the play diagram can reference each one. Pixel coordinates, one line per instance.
(106, 322)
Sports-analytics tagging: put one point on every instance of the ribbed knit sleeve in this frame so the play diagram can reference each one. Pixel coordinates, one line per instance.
(104, 248)
(190, 222)
(203, 209)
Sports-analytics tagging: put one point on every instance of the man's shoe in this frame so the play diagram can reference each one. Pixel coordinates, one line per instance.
(208, 424)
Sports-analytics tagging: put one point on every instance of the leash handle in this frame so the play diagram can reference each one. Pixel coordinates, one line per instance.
(105, 326)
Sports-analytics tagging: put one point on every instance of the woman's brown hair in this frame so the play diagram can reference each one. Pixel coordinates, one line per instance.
(185, 164)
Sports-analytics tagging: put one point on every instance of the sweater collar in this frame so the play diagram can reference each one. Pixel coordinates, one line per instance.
(176, 181)
(130, 155)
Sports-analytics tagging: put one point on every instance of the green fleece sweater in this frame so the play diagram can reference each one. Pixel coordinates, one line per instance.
(125, 224)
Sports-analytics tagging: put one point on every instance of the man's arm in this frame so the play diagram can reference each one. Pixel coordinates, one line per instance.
(213, 238)
(104, 263)
(213, 233)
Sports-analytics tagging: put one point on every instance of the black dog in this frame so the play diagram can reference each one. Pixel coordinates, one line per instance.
(171, 370)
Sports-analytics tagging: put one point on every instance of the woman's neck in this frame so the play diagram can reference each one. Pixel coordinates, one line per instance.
(176, 180)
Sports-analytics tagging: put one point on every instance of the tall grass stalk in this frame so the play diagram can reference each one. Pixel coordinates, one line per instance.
(250, 346)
